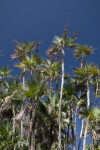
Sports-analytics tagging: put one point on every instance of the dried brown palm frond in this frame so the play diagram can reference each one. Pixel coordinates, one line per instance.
(24, 113)
(98, 134)
(52, 51)
(6, 107)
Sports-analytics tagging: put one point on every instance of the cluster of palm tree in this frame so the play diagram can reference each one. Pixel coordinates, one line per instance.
(44, 107)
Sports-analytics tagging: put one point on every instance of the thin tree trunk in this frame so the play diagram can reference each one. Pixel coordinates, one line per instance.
(87, 120)
(67, 136)
(76, 123)
(22, 120)
(82, 126)
(31, 131)
(95, 100)
(81, 133)
(96, 89)
(93, 148)
(85, 133)
(88, 94)
(60, 101)
(13, 107)
(82, 61)
(72, 129)
(14, 123)
(22, 131)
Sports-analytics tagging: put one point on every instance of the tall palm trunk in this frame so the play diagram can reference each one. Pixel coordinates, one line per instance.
(22, 120)
(22, 131)
(82, 62)
(31, 131)
(60, 101)
(72, 128)
(31, 121)
(67, 136)
(87, 120)
(76, 122)
(95, 90)
(93, 145)
(82, 126)
(14, 123)
(81, 133)
(85, 133)
(13, 108)
(32, 126)
(88, 94)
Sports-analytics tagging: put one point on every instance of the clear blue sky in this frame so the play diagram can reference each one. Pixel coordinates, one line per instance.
(42, 19)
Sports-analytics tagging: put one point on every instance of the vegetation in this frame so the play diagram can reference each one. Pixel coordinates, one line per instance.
(41, 109)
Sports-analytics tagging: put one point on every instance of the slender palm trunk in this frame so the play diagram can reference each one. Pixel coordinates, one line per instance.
(67, 136)
(93, 147)
(81, 133)
(13, 108)
(31, 131)
(82, 126)
(14, 123)
(76, 123)
(72, 129)
(22, 120)
(85, 133)
(60, 101)
(88, 94)
(87, 120)
(22, 132)
(95, 91)
(82, 61)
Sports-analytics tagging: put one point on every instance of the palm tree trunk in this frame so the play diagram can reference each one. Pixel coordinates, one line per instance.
(72, 128)
(81, 133)
(87, 120)
(60, 101)
(76, 122)
(82, 62)
(88, 94)
(31, 131)
(95, 93)
(14, 123)
(22, 120)
(67, 136)
(22, 131)
(85, 133)
(93, 148)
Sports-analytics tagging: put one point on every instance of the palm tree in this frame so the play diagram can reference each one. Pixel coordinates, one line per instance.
(82, 51)
(21, 52)
(34, 91)
(87, 72)
(70, 95)
(61, 43)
